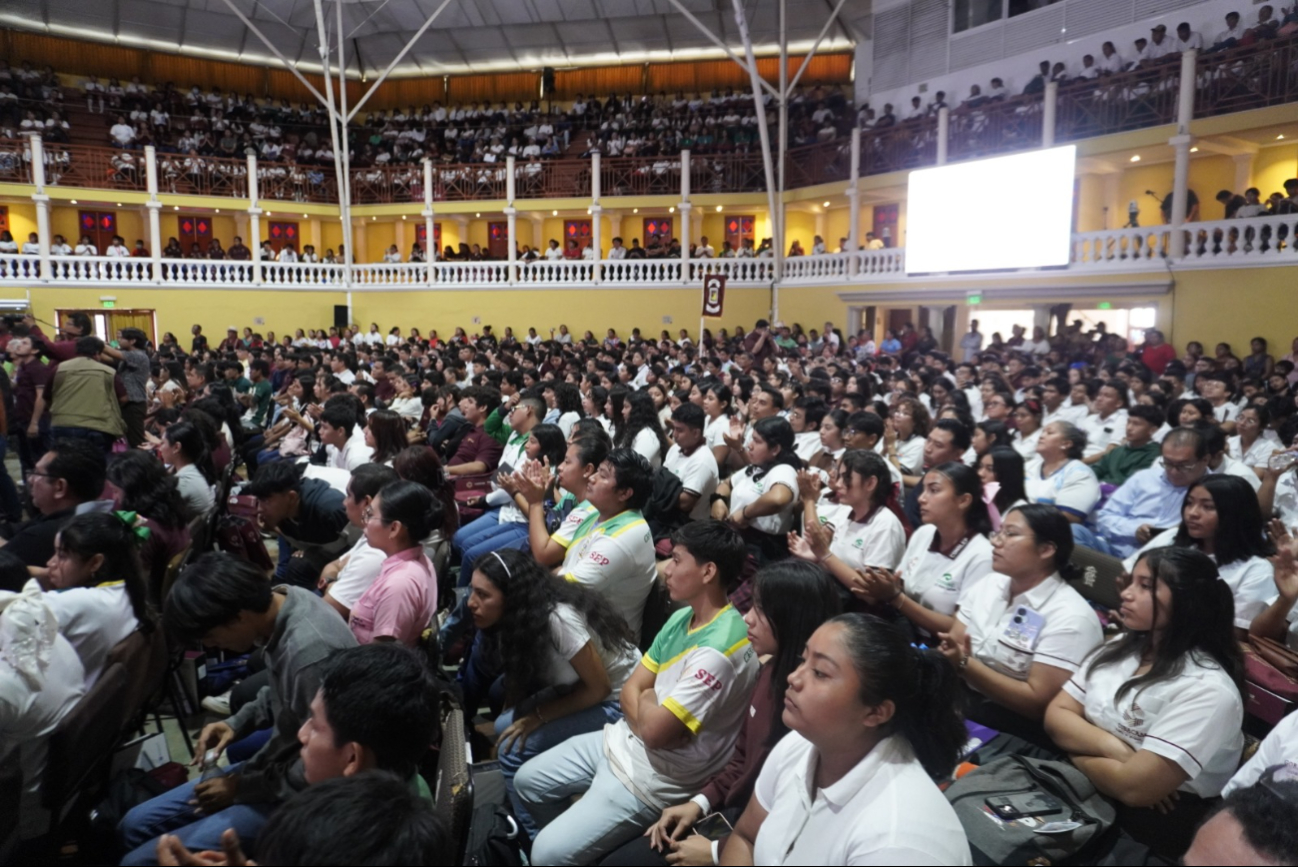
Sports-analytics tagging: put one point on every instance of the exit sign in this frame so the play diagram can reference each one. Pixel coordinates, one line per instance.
(975, 299)
(1105, 305)
(108, 305)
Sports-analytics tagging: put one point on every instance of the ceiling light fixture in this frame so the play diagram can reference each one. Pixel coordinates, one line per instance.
(1135, 158)
(826, 204)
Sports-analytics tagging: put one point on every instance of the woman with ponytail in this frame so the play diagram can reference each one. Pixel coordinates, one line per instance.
(184, 449)
(99, 596)
(790, 601)
(1153, 717)
(401, 602)
(760, 499)
(858, 532)
(946, 555)
(873, 724)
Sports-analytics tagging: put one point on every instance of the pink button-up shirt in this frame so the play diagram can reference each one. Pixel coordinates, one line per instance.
(401, 602)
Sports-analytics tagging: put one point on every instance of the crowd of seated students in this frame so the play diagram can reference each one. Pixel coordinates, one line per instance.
(1087, 81)
(765, 481)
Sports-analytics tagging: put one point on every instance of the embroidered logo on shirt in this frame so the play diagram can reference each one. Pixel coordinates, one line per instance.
(712, 681)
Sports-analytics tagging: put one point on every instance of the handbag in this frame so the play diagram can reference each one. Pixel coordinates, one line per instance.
(996, 840)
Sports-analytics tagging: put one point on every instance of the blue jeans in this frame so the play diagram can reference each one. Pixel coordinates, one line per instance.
(1088, 538)
(607, 815)
(553, 733)
(471, 534)
(171, 813)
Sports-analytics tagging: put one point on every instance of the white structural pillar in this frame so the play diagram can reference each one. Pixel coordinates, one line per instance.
(596, 212)
(685, 207)
(430, 238)
(854, 202)
(42, 202)
(1181, 143)
(155, 211)
(1048, 109)
(943, 133)
(511, 219)
(254, 220)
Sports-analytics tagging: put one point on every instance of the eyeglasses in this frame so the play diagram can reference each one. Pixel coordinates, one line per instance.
(34, 474)
(1004, 535)
(1181, 468)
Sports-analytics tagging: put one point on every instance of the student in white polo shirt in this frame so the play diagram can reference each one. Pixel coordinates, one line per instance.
(1221, 518)
(858, 532)
(873, 723)
(1107, 425)
(613, 549)
(1060, 478)
(760, 499)
(805, 418)
(691, 461)
(946, 556)
(1153, 718)
(1020, 633)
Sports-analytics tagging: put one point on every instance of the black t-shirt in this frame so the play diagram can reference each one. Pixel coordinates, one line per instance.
(33, 543)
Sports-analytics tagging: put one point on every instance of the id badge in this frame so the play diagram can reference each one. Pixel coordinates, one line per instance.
(1016, 647)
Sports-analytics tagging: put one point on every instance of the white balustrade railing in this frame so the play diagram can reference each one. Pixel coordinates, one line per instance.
(1257, 241)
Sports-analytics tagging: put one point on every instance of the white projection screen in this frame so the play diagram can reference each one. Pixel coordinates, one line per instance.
(994, 214)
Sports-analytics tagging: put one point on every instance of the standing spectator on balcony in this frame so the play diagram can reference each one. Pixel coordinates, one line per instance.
(997, 91)
(1089, 70)
(60, 247)
(238, 252)
(85, 247)
(117, 249)
(1288, 204)
(32, 246)
(1038, 82)
(1231, 36)
(1191, 207)
(617, 251)
(1252, 206)
(1187, 38)
(1232, 202)
(1110, 61)
(818, 246)
(94, 92)
(392, 256)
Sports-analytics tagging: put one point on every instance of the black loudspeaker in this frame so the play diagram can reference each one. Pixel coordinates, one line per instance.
(340, 316)
(547, 82)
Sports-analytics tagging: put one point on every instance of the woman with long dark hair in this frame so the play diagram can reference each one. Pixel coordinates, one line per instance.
(643, 432)
(1003, 467)
(99, 596)
(988, 435)
(385, 433)
(873, 720)
(946, 556)
(421, 464)
(1153, 717)
(1220, 516)
(563, 651)
(760, 499)
(149, 491)
(715, 399)
(615, 411)
(1014, 668)
(860, 530)
(790, 602)
(184, 449)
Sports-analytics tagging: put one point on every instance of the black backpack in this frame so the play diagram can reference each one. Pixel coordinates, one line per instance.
(662, 512)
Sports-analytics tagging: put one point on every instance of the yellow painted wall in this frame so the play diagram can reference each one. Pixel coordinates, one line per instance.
(1272, 167)
(1090, 205)
(837, 223)
(22, 221)
(1209, 175)
(800, 226)
(1261, 304)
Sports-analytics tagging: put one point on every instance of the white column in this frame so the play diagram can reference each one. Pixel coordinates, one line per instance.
(430, 239)
(854, 201)
(596, 212)
(42, 202)
(1048, 109)
(154, 208)
(1180, 187)
(820, 225)
(254, 217)
(1185, 96)
(1243, 170)
(511, 218)
(317, 239)
(943, 133)
(685, 208)
(615, 223)
(358, 238)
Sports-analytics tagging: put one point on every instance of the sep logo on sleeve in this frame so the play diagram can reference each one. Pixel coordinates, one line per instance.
(712, 682)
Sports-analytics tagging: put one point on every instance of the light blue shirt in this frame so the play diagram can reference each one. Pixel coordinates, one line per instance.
(1145, 498)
